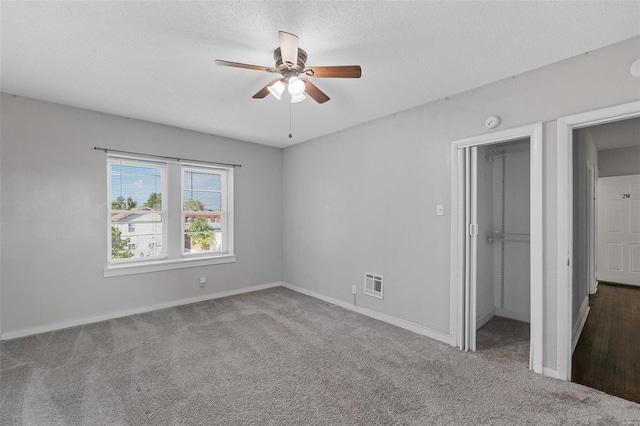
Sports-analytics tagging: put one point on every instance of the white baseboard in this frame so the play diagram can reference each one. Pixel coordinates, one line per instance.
(398, 322)
(548, 372)
(582, 318)
(507, 313)
(88, 320)
(485, 318)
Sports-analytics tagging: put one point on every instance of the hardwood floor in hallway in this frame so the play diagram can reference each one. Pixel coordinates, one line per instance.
(607, 356)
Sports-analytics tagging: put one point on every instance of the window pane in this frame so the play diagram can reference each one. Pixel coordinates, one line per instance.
(202, 181)
(136, 235)
(203, 232)
(135, 187)
(194, 200)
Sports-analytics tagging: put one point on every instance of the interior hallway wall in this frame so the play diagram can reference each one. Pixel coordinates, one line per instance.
(54, 214)
(584, 154)
(620, 161)
(364, 199)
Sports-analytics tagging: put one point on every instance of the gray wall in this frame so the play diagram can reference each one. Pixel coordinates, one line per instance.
(364, 199)
(0, 226)
(584, 151)
(619, 162)
(54, 214)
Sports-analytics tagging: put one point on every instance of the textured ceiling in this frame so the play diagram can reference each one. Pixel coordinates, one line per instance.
(154, 60)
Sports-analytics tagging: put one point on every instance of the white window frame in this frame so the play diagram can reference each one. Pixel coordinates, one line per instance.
(224, 205)
(173, 233)
(163, 213)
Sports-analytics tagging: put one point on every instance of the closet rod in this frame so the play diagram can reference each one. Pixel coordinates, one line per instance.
(106, 150)
(490, 157)
(508, 236)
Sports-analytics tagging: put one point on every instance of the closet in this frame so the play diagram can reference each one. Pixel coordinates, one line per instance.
(497, 208)
(503, 251)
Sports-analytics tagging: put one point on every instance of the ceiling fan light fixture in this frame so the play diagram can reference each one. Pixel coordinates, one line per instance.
(276, 89)
(290, 63)
(298, 98)
(296, 87)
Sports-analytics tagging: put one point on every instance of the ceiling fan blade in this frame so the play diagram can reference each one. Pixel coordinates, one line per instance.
(245, 66)
(317, 94)
(288, 48)
(338, 71)
(264, 91)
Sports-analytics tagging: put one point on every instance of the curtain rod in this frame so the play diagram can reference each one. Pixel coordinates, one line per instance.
(163, 156)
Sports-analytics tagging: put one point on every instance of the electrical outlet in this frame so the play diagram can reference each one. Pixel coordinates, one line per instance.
(203, 281)
(354, 289)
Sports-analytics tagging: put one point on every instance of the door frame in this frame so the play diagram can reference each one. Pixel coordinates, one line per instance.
(592, 206)
(566, 125)
(458, 235)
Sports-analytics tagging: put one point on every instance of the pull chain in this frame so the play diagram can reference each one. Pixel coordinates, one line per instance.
(290, 135)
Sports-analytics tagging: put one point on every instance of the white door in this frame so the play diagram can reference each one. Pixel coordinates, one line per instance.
(619, 230)
(471, 246)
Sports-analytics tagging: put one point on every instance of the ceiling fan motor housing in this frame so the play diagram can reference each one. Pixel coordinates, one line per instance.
(290, 70)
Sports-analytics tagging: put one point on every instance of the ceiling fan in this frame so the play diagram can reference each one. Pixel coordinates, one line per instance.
(290, 63)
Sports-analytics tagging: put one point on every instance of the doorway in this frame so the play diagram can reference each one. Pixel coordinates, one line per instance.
(570, 322)
(605, 323)
(497, 236)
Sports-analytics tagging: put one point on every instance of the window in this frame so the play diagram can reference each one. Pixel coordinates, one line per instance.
(137, 219)
(204, 206)
(153, 227)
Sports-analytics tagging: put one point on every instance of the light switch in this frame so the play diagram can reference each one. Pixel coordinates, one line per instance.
(440, 209)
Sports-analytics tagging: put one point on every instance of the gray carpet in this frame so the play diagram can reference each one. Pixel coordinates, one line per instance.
(278, 357)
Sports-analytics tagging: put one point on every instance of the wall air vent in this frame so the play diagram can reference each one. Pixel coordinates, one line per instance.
(373, 285)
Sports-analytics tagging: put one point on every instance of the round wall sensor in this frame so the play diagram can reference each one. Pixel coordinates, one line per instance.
(492, 122)
(635, 68)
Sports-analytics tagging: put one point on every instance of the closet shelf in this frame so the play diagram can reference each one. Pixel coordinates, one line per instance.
(507, 236)
(507, 150)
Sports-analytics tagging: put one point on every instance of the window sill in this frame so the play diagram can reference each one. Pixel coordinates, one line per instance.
(165, 265)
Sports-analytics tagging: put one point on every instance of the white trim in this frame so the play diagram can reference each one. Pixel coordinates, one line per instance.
(485, 318)
(548, 372)
(508, 313)
(534, 133)
(89, 320)
(398, 322)
(582, 319)
(536, 246)
(564, 159)
(591, 227)
(566, 125)
(165, 265)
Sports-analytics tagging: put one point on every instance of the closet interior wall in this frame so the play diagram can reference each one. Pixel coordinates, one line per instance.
(503, 272)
